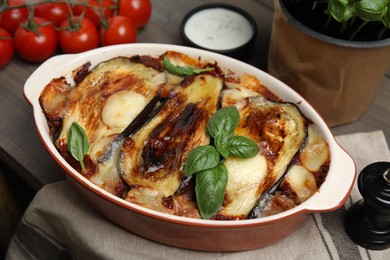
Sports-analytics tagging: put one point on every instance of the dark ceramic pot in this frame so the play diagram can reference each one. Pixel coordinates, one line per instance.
(338, 77)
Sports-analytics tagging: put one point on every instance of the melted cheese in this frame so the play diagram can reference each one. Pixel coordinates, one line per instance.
(245, 176)
(316, 151)
(301, 181)
(122, 107)
(236, 96)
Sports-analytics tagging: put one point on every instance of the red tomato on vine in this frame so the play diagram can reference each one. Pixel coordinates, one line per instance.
(78, 34)
(53, 12)
(6, 47)
(10, 19)
(91, 9)
(120, 29)
(137, 10)
(36, 40)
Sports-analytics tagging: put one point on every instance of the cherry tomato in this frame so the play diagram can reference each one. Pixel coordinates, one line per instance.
(53, 12)
(6, 48)
(138, 10)
(121, 29)
(10, 19)
(92, 11)
(36, 47)
(81, 39)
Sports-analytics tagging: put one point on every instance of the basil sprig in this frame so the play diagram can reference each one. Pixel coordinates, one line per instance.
(205, 161)
(346, 12)
(210, 189)
(182, 70)
(78, 144)
(201, 158)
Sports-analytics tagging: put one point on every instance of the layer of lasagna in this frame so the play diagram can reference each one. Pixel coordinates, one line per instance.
(145, 165)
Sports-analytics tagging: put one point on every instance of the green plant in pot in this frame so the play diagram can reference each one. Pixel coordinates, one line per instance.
(335, 53)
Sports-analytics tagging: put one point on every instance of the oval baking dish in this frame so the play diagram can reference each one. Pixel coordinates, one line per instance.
(175, 230)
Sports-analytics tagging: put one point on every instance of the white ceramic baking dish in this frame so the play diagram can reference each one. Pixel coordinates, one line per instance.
(199, 234)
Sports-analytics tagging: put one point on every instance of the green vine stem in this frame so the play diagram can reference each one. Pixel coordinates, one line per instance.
(103, 18)
(100, 9)
(5, 7)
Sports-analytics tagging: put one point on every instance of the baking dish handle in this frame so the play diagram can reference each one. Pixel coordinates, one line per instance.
(45, 70)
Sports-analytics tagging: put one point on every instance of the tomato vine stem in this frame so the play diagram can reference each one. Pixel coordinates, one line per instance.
(30, 25)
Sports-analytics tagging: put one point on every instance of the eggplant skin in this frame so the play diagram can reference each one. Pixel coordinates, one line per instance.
(152, 160)
(97, 103)
(280, 130)
(304, 177)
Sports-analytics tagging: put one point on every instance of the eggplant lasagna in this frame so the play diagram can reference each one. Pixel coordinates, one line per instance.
(143, 163)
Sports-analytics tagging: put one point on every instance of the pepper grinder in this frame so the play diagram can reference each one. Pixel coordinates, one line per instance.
(367, 222)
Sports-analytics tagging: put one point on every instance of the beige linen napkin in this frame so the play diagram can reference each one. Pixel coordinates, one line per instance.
(59, 225)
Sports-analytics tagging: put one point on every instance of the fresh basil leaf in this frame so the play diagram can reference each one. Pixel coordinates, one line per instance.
(242, 147)
(224, 120)
(221, 141)
(78, 144)
(201, 158)
(224, 152)
(340, 2)
(386, 18)
(210, 190)
(182, 70)
(371, 10)
(341, 10)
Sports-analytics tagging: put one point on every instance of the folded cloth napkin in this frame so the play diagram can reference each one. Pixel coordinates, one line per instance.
(59, 225)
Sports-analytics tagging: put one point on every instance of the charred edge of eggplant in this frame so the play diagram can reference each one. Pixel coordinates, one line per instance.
(148, 61)
(254, 213)
(81, 72)
(217, 72)
(148, 113)
(121, 189)
(53, 122)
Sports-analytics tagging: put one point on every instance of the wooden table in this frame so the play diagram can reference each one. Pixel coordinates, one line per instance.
(21, 149)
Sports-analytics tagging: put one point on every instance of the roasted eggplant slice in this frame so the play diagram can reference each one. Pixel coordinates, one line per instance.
(302, 180)
(152, 160)
(280, 131)
(114, 92)
(103, 103)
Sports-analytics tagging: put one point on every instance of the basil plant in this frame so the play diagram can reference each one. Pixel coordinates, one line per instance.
(368, 10)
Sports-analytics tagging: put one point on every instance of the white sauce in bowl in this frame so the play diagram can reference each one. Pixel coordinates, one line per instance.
(218, 29)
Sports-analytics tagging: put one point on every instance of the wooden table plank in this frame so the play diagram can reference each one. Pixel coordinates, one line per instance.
(20, 147)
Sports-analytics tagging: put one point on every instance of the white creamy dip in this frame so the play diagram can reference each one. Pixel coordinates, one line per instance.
(218, 29)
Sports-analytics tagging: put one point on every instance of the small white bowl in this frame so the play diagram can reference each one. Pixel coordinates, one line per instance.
(221, 28)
